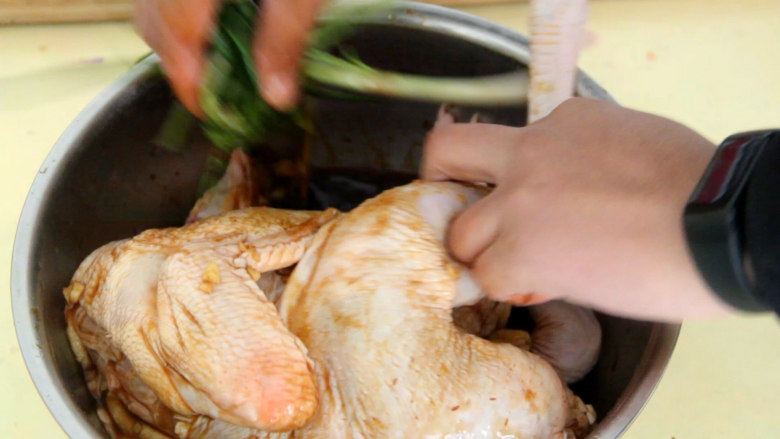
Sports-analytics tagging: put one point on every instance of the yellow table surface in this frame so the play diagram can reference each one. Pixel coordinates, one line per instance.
(714, 65)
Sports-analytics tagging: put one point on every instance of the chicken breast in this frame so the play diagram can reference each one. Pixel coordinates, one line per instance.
(372, 301)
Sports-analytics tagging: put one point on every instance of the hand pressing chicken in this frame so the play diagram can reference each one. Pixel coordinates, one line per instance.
(566, 335)
(372, 301)
(587, 207)
(179, 310)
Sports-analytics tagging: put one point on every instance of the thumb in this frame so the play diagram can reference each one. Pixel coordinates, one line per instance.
(178, 31)
(279, 45)
(184, 71)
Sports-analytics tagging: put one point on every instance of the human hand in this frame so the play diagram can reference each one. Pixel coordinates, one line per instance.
(179, 31)
(587, 207)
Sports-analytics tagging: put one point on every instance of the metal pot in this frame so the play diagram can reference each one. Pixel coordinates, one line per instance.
(104, 180)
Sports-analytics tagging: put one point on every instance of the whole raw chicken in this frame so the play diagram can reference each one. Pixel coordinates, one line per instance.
(372, 301)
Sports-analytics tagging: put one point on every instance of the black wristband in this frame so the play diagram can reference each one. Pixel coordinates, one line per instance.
(715, 220)
(761, 224)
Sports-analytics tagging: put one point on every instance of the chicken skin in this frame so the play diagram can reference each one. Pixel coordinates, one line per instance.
(180, 310)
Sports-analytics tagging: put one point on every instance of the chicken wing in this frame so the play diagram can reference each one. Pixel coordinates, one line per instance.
(180, 310)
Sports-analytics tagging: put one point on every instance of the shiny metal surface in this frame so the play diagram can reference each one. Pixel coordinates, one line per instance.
(104, 180)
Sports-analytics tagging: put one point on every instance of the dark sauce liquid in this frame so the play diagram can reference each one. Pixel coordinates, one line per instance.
(345, 189)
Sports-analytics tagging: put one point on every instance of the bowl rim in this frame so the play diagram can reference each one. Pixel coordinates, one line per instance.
(432, 18)
(29, 335)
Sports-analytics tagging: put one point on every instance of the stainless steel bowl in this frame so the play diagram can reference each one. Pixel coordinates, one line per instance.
(104, 180)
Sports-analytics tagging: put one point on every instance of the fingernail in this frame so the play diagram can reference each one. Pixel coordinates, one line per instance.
(277, 91)
(527, 299)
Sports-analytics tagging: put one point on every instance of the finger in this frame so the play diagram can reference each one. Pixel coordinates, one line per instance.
(179, 32)
(474, 229)
(501, 273)
(445, 116)
(471, 152)
(279, 45)
(184, 71)
(527, 299)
